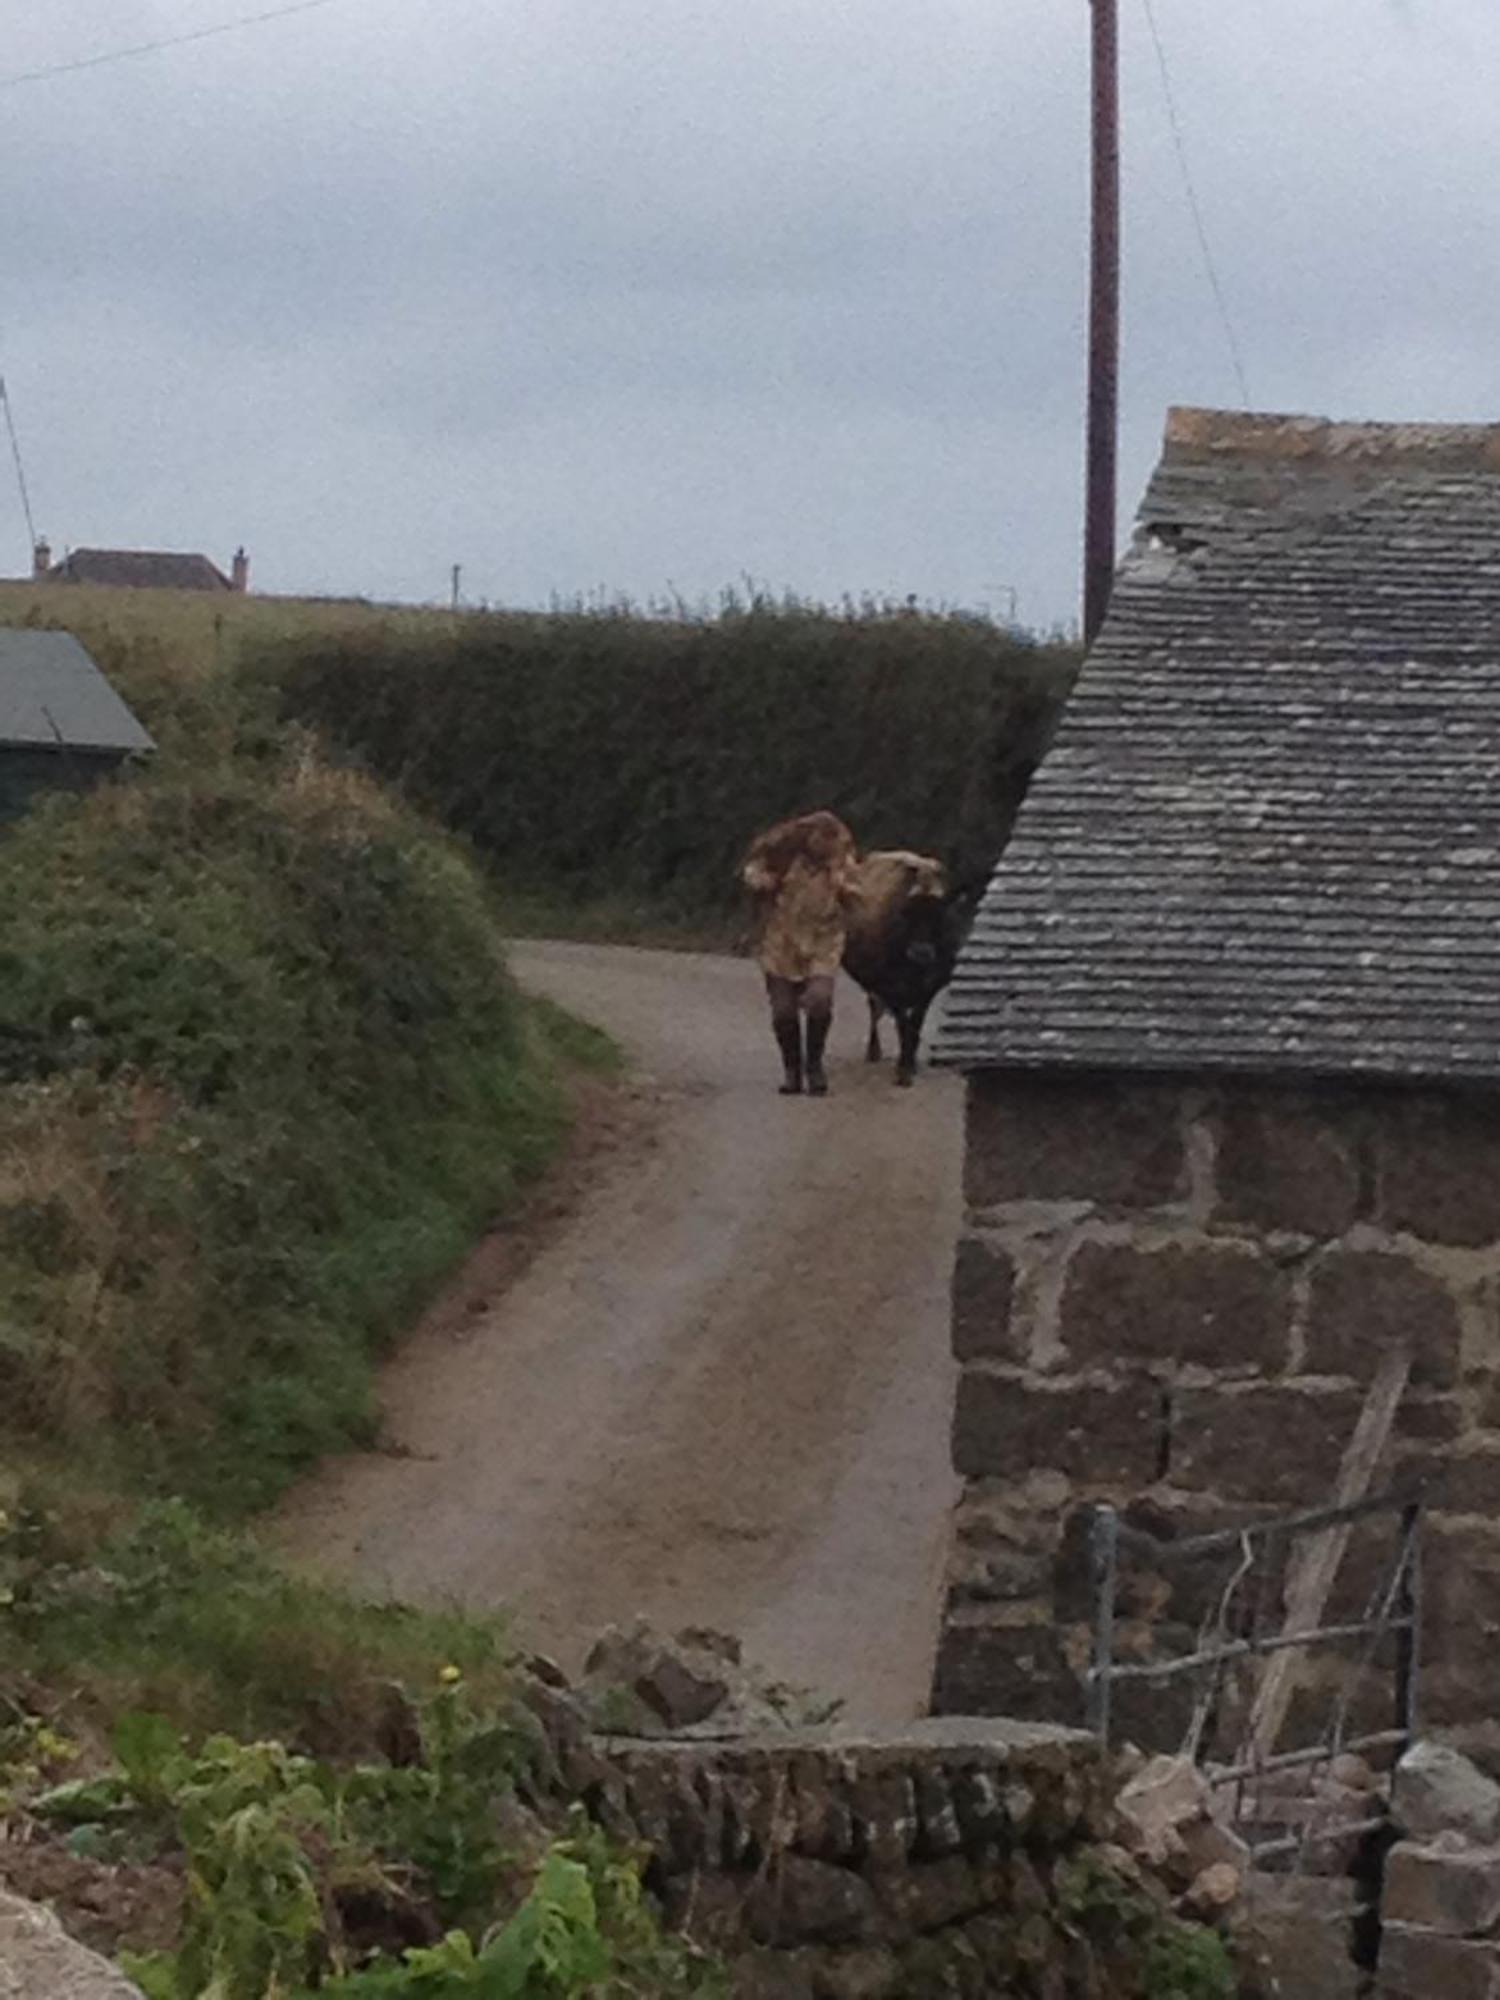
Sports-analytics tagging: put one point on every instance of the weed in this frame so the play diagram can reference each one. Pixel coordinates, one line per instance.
(1165, 1958)
(1186, 1962)
(278, 1847)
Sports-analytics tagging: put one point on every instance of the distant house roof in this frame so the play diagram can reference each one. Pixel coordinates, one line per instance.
(1267, 836)
(140, 569)
(52, 695)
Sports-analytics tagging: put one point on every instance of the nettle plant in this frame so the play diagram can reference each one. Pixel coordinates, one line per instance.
(287, 1858)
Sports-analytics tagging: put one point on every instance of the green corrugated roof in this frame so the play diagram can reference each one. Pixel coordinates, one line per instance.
(53, 695)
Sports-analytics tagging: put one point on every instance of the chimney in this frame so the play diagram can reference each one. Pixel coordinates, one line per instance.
(239, 573)
(41, 560)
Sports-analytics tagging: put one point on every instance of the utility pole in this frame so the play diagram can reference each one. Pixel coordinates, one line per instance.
(1104, 321)
(458, 570)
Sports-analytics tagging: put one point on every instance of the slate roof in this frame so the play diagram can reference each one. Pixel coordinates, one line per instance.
(139, 569)
(50, 689)
(1267, 835)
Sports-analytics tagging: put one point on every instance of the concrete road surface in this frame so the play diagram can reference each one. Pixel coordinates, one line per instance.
(720, 1394)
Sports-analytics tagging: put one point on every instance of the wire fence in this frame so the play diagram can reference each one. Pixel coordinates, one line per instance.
(1240, 1630)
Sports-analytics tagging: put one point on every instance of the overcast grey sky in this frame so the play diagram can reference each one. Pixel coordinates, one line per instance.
(630, 294)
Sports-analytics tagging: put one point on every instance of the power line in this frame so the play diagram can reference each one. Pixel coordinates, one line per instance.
(15, 449)
(167, 42)
(1179, 143)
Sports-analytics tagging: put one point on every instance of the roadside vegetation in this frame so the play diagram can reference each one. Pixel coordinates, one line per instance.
(264, 1079)
(611, 767)
(249, 1788)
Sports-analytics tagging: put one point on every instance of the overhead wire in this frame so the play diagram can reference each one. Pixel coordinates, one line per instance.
(135, 50)
(15, 450)
(241, 22)
(1200, 226)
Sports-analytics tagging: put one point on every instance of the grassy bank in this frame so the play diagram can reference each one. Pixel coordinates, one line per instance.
(263, 1078)
(250, 1788)
(620, 763)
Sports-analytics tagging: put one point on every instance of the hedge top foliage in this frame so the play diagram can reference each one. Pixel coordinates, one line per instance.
(600, 753)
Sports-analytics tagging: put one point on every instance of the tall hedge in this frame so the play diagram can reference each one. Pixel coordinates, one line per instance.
(599, 753)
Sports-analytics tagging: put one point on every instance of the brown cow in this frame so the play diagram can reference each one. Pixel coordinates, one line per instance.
(905, 929)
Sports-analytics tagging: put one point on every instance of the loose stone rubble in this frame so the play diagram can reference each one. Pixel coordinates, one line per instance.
(1168, 1822)
(636, 1682)
(1438, 1791)
(1440, 1913)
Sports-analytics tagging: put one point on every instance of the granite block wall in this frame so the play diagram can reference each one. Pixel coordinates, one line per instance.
(1171, 1295)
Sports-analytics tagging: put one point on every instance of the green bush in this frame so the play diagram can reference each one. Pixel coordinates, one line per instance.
(263, 1078)
(105, 1608)
(613, 755)
(1150, 1952)
(288, 1860)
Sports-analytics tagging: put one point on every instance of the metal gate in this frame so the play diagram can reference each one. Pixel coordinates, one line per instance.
(1240, 1631)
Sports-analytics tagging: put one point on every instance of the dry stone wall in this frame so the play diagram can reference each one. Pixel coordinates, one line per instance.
(1172, 1296)
(838, 1865)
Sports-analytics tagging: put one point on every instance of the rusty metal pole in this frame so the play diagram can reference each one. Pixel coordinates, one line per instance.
(1104, 321)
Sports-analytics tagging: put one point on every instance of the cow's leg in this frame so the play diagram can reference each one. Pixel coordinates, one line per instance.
(819, 1021)
(786, 1026)
(910, 1021)
(872, 1045)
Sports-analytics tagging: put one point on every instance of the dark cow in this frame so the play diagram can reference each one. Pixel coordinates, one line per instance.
(904, 934)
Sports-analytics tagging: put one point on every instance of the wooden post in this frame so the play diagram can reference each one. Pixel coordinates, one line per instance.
(1311, 1569)
(1104, 322)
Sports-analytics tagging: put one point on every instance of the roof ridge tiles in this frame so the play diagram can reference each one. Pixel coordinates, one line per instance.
(1195, 435)
(1268, 832)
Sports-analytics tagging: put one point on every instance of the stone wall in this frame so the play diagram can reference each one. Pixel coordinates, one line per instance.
(841, 1864)
(1172, 1296)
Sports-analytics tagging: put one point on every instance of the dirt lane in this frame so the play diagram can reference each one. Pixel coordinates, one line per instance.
(722, 1393)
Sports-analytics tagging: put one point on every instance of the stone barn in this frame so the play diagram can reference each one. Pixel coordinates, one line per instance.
(1230, 1019)
(62, 726)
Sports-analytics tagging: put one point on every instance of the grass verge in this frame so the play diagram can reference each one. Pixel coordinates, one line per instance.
(264, 1080)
